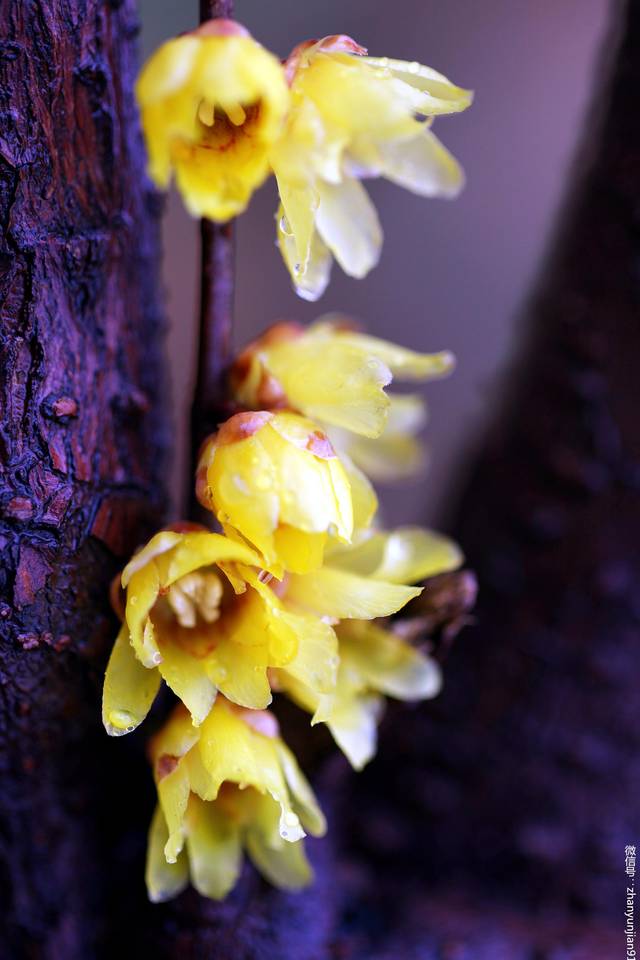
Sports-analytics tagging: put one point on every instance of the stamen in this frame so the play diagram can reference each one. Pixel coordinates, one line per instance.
(206, 113)
(236, 114)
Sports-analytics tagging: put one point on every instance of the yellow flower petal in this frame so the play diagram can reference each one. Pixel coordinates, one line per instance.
(185, 674)
(310, 276)
(212, 106)
(197, 550)
(285, 866)
(164, 880)
(396, 453)
(343, 595)
(215, 852)
(387, 664)
(405, 555)
(231, 750)
(240, 672)
(316, 662)
(129, 688)
(348, 223)
(142, 592)
(173, 794)
(305, 803)
(422, 165)
(269, 473)
(354, 727)
(441, 96)
(159, 544)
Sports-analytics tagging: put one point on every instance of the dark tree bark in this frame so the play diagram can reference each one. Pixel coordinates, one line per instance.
(81, 442)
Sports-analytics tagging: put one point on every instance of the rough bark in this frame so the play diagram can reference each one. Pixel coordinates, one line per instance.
(81, 453)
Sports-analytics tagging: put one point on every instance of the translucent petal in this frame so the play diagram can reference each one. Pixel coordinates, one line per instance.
(343, 595)
(142, 593)
(387, 664)
(354, 727)
(441, 96)
(346, 389)
(407, 364)
(159, 544)
(363, 496)
(173, 794)
(348, 223)
(422, 165)
(286, 866)
(297, 217)
(305, 803)
(405, 555)
(129, 688)
(215, 851)
(316, 662)
(198, 550)
(164, 880)
(186, 675)
(310, 277)
(240, 672)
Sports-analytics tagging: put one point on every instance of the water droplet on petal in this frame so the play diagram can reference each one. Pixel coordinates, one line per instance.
(285, 227)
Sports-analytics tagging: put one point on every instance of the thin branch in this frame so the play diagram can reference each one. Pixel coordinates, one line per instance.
(216, 305)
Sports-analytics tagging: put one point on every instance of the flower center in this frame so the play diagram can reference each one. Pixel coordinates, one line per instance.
(222, 125)
(196, 594)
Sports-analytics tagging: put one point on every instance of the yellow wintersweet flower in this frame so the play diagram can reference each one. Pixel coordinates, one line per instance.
(373, 661)
(212, 101)
(276, 480)
(397, 452)
(330, 372)
(200, 616)
(351, 117)
(229, 785)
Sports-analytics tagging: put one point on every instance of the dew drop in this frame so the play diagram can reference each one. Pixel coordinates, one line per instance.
(156, 658)
(122, 720)
(285, 226)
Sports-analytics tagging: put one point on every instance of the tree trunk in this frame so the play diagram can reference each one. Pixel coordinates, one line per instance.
(81, 441)
(513, 796)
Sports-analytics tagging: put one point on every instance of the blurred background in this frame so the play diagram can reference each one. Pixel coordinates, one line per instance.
(453, 274)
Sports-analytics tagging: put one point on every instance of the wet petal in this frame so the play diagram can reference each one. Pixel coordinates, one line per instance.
(348, 223)
(422, 165)
(129, 688)
(215, 852)
(187, 677)
(164, 880)
(343, 595)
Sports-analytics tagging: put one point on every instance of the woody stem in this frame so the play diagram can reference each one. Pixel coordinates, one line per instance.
(210, 403)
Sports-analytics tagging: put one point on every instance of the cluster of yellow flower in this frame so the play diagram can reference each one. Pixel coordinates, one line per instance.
(222, 112)
(293, 592)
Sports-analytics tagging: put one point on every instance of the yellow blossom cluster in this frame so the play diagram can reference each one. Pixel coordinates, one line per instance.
(222, 113)
(289, 589)
(285, 596)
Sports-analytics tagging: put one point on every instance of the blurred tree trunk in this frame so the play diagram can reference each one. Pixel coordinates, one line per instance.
(80, 454)
(515, 793)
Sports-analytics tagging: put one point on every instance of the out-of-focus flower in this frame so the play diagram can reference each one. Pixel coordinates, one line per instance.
(228, 786)
(397, 453)
(351, 117)
(213, 102)
(200, 616)
(373, 661)
(276, 480)
(332, 373)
